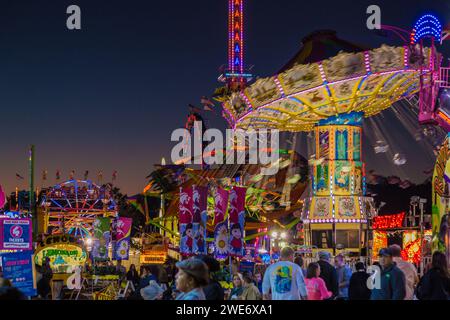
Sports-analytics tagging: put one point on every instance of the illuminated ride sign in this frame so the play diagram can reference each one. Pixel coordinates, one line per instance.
(63, 252)
(388, 222)
(153, 257)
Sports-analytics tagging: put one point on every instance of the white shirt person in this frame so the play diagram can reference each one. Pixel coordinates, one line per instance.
(284, 279)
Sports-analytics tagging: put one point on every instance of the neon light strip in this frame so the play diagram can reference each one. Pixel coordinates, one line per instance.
(280, 88)
(336, 220)
(243, 96)
(367, 61)
(242, 36)
(405, 56)
(444, 116)
(230, 34)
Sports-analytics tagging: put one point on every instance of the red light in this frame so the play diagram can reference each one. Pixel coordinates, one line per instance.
(388, 221)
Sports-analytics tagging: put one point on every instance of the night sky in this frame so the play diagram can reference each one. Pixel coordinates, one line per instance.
(107, 97)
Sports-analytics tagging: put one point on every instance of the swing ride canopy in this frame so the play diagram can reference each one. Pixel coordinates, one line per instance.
(298, 97)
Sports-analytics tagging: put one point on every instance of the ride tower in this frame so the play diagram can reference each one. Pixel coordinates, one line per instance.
(335, 211)
(235, 75)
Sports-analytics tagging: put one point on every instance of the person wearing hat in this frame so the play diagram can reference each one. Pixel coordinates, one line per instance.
(192, 276)
(392, 283)
(328, 273)
(408, 269)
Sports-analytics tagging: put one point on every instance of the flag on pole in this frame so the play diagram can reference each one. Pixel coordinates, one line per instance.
(102, 238)
(193, 108)
(185, 219)
(121, 232)
(237, 219)
(206, 102)
(199, 219)
(206, 108)
(220, 223)
(2, 198)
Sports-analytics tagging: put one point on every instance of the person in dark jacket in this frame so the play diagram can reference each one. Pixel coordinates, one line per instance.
(358, 289)
(44, 284)
(213, 291)
(392, 282)
(435, 284)
(328, 273)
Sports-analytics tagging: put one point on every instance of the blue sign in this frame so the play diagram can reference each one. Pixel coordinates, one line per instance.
(18, 268)
(15, 234)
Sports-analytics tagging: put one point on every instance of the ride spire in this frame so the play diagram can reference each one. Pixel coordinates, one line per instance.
(235, 75)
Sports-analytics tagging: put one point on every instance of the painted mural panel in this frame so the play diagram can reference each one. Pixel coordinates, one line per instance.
(356, 145)
(321, 208)
(342, 177)
(346, 208)
(341, 144)
(324, 144)
(322, 177)
(358, 180)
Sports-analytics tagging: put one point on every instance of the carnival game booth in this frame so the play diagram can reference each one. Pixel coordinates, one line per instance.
(83, 267)
(66, 256)
(154, 250)
(390, 229)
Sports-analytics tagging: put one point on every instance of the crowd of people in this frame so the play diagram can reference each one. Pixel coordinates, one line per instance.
(391, 278)
(196, 278)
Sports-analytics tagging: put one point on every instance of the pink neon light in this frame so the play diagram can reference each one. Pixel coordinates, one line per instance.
(367, 61)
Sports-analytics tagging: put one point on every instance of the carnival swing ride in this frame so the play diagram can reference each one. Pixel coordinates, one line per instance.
(331, 95)
(328, 89)
(72, 206)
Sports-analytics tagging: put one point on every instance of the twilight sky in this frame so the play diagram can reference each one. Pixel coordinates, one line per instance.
(107, 97)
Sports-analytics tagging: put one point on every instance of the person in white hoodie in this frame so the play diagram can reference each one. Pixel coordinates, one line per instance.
(408, 269)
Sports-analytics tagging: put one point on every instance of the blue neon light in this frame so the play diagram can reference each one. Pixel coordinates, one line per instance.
(427, 26)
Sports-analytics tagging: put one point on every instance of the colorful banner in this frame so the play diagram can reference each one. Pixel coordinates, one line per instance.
(18, 268)
(199, 218)
(102, 237)
(121, 238)
(220, 223)
(186, 219)
(2, 198)
(16, 234)
(237, 218)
